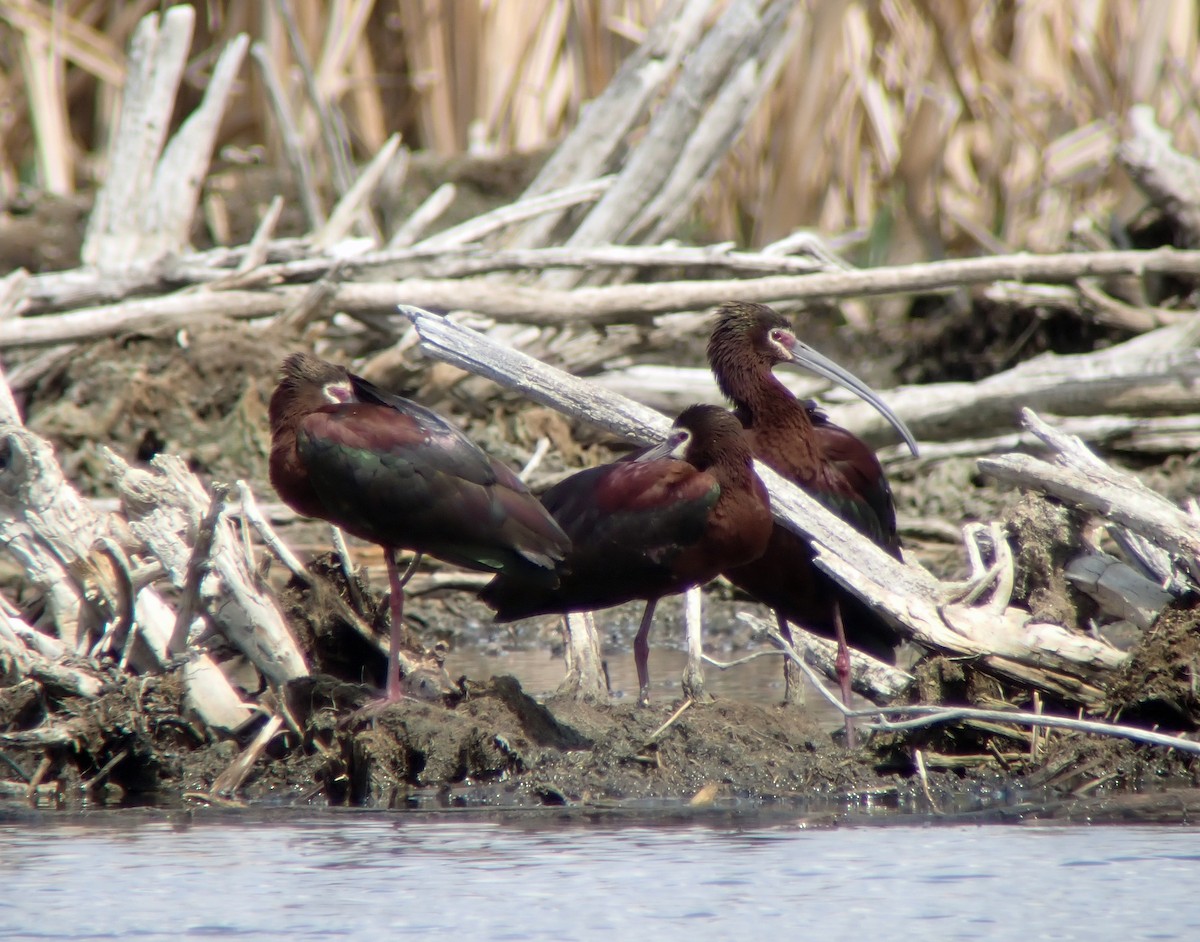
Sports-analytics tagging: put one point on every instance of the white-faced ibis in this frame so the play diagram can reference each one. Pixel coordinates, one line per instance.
(799, 442)
(392, 472)
(668, 519)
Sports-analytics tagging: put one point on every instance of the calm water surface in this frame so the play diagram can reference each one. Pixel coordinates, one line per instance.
(540, 672)
(401, 876)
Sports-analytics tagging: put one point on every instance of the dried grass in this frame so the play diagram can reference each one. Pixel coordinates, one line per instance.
(935, 126)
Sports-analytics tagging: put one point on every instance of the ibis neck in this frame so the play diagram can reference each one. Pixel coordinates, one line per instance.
(762, 401)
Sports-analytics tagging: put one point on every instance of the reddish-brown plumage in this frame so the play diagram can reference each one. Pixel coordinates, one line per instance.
(390, 471)
(798, 441)
(651, 526)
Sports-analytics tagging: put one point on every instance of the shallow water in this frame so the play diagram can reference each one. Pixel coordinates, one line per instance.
(375, 876)
(540, 672)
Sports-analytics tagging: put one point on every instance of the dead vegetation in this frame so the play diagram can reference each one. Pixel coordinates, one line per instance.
(141, 637)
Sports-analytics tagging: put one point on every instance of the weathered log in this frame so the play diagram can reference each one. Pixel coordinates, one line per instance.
(1153, 374)
(163, 509)
(1170, 178)
(1080, 478)
(600, 306)
(1120, 590)
(600, 134)
(144, 210)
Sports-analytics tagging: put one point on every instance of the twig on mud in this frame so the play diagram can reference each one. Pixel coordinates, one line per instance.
(354, 204)
(727, 665)
(790, 652)
(266, 533)
(256, 249)
(423, 217)
(229, 781)
(475, 229)
(934, 715)
(338, 538)
(655, 736)
(539, 452)
(88, 784)
(923, 776)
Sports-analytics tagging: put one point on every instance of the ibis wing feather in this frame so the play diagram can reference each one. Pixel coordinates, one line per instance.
(399, 479)
(627, 523)
(859, 492)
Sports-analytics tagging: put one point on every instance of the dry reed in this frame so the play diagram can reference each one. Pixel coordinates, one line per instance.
(933, 126)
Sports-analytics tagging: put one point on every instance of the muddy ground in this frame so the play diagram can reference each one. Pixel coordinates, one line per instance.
(468, 741)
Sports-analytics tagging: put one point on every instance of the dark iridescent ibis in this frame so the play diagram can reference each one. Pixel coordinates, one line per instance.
(392, 472)
(672, 518)
(798, 441)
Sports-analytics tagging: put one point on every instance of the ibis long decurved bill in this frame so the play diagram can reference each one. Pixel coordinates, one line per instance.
(805, 356)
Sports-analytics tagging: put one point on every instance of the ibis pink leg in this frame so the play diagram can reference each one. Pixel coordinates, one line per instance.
(641, 653)
(399, 636)
(842, 666)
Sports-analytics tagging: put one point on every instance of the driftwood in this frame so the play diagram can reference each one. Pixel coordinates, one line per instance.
(1119, 589)
(869, 677)
(1155, 373)
(600, 306)
(736, 59)
(585, 668)
(291, 260)
(1080, 478)
(53, 533)
(164, 510)
(600, 134)
(1170, 178)
(670, 389)
(144, 211)
(1145, 435)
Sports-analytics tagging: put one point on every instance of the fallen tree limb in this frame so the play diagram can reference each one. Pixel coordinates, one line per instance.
(601, 131)
(1154, 374)
(921, 715)
(1143, 435)
(1170, 178)
(290, 260)
(1081, 479)
(935, 715)
(616, 304)
(144, 210)
(681, 143)
(164, 510)
(50, 530)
